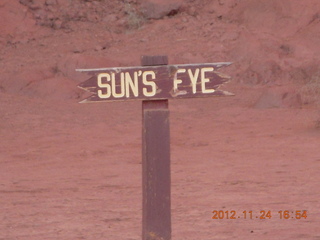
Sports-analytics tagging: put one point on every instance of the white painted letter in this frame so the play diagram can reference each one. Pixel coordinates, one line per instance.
(149, 83)
(131, 84)
(177, 81)
(204, 80)
(193, 79)
(114, 86)
(104, 85)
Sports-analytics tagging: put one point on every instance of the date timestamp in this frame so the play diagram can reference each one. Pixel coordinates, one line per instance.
(263, 214)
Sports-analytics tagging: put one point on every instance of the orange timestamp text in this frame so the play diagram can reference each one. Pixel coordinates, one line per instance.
(263, 214)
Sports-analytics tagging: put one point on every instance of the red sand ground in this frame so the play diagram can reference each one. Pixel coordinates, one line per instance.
(73, 171)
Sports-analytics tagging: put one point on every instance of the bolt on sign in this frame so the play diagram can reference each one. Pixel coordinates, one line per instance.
(155, 82)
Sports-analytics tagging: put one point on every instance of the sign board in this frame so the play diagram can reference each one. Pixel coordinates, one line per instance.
(155, 82)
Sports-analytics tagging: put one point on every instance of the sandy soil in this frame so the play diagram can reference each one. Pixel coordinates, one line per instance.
(73, 171)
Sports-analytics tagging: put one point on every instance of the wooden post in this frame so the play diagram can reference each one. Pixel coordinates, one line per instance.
(156, 180)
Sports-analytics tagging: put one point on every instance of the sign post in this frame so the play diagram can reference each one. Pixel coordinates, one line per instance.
(154, 83)
(156, 209)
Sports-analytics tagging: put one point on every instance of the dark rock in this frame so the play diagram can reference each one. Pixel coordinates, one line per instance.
(157, 9)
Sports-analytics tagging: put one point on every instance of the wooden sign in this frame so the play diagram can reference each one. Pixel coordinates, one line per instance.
(155, 82)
